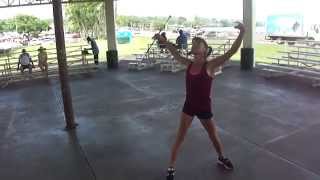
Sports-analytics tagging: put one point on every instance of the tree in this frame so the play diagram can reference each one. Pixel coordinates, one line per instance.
(7, 25)
(259, 24)
(200, 21)
(86, 18)
(2, 26)
(122, 21)
(181, 20)
(226, 23)
(214, 22)
(25, 24)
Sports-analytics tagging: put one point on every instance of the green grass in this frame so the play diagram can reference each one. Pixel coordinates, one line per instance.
(262, 51)
(137, 45)
(140, 45)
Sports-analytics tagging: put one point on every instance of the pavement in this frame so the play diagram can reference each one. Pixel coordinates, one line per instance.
(128, 121)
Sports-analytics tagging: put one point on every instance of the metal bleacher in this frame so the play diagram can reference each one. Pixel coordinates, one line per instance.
(300, 61)
(77, 62)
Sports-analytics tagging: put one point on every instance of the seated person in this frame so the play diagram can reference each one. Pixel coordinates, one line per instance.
(25, 61)
(42, 59)
(163, 46)
(182, 40)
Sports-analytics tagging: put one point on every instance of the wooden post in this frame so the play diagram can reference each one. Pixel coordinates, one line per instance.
(62, 63)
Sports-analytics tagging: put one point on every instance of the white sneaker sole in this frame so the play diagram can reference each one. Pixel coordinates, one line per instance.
(222, 164)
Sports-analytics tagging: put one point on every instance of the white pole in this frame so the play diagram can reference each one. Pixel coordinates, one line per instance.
(247, 52)
(249, 22)
(111, 35)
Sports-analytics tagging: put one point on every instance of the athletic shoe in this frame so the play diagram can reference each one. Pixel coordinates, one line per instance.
(171, 172)
(225, 162)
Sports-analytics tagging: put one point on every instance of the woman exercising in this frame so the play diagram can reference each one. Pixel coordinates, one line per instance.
(199, 76)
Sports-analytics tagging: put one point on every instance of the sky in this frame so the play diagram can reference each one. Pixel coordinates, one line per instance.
(220, 9)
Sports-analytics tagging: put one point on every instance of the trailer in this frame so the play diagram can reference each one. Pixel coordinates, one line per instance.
(291, 27)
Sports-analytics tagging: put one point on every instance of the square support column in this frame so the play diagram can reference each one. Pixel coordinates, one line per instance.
(247, 52)
(112, 53)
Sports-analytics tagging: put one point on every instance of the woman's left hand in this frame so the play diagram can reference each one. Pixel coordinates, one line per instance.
(240, 26)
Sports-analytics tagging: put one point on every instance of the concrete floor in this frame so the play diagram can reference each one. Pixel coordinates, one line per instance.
(127, 122)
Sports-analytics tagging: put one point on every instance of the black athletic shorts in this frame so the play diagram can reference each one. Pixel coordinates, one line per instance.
(201, 115)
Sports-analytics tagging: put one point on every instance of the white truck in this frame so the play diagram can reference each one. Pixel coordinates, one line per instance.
(291, 27)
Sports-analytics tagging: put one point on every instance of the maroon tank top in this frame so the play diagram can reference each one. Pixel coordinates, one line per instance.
(198, 89)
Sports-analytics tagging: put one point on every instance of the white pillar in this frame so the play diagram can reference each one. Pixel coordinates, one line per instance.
(249, 21)
(247, 52)
(110, 23)
(112, 53)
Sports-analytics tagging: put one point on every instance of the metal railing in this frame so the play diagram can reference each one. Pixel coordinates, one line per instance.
(20, 3)
(9, 61)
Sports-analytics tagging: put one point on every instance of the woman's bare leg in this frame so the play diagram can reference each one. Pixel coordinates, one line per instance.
(209, 125)
(212, 133)
(185, 122)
